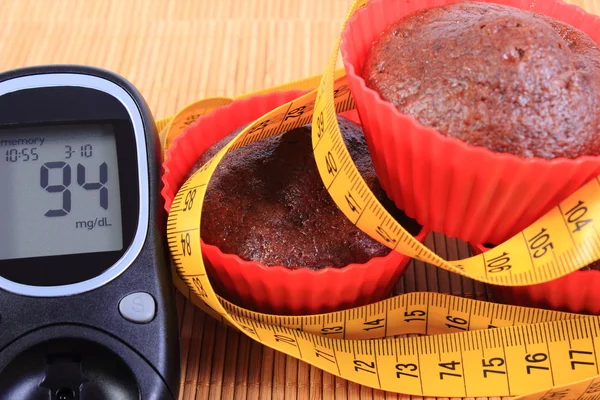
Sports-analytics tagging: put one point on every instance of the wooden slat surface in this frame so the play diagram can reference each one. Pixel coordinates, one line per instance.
(179, 51)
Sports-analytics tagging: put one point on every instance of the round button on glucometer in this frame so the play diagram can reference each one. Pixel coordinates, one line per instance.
(138, 307)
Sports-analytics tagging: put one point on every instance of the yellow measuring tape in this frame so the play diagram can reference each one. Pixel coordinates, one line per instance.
(531, 354)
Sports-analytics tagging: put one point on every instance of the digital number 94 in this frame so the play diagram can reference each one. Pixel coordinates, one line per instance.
(63, 187)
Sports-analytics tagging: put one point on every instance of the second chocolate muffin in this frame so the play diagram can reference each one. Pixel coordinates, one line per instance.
(267, 203)
(493, 76)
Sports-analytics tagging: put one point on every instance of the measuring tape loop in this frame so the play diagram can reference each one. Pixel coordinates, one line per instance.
(471, 348)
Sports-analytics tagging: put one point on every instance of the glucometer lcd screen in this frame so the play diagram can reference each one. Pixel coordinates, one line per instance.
(59, 191)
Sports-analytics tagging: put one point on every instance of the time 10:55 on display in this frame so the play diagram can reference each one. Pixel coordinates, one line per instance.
(25, 154)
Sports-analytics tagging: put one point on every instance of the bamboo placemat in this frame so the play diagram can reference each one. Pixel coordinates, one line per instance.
(179, 51)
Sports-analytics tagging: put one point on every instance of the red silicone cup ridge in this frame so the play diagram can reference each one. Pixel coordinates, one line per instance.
(440, 181)
(274, 289)
(576, 292)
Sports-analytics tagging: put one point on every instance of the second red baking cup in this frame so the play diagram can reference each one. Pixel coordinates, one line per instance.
(274, 289)
(576, 292)
(451, 187)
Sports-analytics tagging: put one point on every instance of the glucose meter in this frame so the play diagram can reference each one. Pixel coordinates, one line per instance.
(86, 300)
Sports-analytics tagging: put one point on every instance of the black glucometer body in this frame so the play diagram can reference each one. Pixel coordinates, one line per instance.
(86, 299)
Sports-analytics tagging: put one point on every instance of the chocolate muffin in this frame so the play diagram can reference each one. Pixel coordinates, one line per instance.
(266, 202)
(493, 76)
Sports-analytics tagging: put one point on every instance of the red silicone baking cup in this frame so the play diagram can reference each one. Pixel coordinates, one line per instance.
(576, 292)
(274, 289)
(463, 191)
